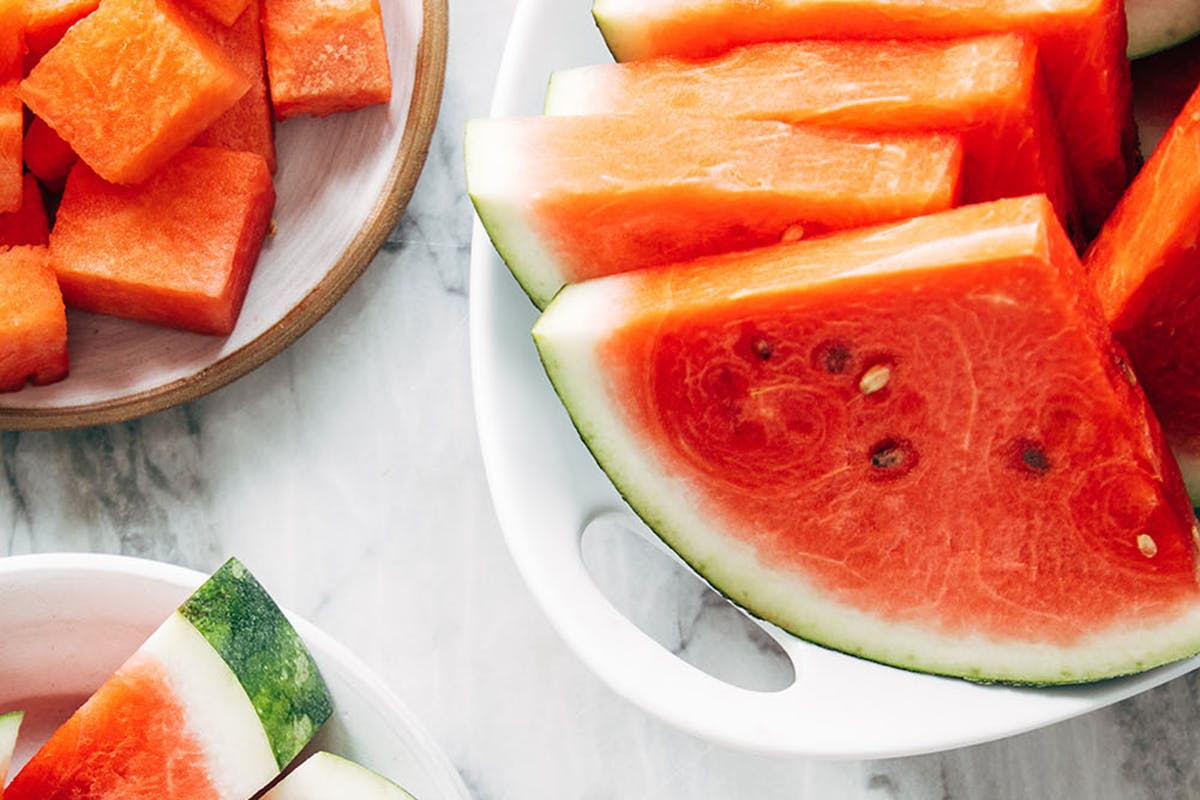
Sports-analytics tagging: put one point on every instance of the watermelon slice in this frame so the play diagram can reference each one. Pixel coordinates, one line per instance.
(914, 443)
(570, 198)
(215, 703)
(10, 726)
(1156, 25)
(1146, 268)
(1081, 42)
(986, 89)
(323, 776)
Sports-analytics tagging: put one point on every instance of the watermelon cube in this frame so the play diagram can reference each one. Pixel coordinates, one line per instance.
(566, 199)
(916, 443)
(12, 123)
(177, 250)
(131, 85)
(29, 224)
(248, 125)
(33, 340)
(325, 56)
(1145, 265)
(46, 154)
(1081, 42)
(212, 706)
(987, 89)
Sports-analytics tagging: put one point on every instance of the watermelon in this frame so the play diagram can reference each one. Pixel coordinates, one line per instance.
(46, 154)
(1145, 265)
(987, 89)
(11, 126)
(176, 250)
(131, 85)
(33, 337)
(916, 443)
(213, 705)
(28, 224)
(325, 57)
(1081, 43)
(1155, 25)
(570, 198)
(10, 726)
(323, 776)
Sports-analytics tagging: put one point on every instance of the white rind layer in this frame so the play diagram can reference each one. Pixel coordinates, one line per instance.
(10, 725)
(496, 177)
(573, 92)
(324, 776)
(218, 710)
(567, 336)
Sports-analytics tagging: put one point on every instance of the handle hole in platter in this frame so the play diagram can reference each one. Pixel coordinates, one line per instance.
(661, 596)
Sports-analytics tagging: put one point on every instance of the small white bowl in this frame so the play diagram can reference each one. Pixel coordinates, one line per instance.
(67, 621)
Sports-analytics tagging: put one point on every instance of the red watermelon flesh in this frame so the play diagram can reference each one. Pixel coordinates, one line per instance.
(916, 443)
(1146, 268)
(987, 89)
(1082, 45)
(136, 722)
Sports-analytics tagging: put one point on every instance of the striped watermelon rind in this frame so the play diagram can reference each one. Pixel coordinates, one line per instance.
(241, 622)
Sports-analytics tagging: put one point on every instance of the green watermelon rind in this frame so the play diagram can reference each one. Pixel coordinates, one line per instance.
(566, 336)
(241, 622)
(493, 184)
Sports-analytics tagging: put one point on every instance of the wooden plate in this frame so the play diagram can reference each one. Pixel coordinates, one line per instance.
(342, 184)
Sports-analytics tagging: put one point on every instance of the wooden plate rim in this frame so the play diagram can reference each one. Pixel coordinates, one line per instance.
(424, 106)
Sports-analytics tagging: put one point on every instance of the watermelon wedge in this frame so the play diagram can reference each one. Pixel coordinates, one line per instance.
(565, 199)
(915, 443)
(214, 704)
(1082, 45)
(10, 726)
(1146, 268)
(323, 776)
(986, 89)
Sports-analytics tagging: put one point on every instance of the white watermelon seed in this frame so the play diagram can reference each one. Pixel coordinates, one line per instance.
(1147, 546)
(874, 379)
(794, 233)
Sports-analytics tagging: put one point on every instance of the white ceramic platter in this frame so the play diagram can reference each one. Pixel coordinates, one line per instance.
(546, 488)
(68, 621)
(341, 185)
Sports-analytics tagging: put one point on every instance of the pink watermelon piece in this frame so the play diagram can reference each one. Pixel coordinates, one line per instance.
(211, 707)
(916, 443)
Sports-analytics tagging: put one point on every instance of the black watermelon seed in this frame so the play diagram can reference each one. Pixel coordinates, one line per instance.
(1030, 456)
(892, 458)
(833, 356)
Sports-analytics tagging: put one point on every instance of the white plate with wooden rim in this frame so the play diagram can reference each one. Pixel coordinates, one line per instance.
(69, 620)
(547, 490)
(342, 184)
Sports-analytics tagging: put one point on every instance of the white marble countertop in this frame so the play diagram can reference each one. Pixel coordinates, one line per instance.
(347, 475)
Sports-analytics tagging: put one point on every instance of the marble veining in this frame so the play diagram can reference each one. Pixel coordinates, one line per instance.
(346, 474)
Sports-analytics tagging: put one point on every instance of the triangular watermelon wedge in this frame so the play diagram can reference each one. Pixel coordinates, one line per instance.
(916, 443)
(220, 698)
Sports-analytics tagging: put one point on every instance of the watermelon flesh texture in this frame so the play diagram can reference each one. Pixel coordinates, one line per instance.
(989, 90)
(183, 717)
(916, 444)
(1082, 45)
(1145, 265)
(324, 775)
(566, 199)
